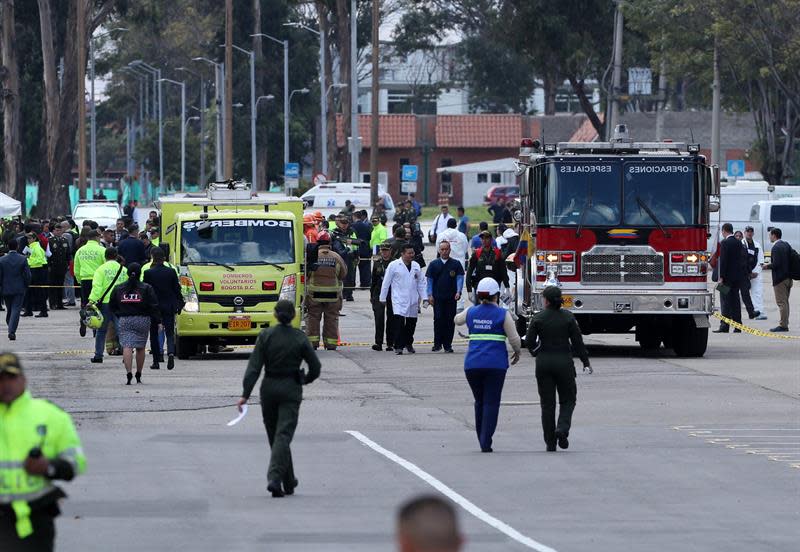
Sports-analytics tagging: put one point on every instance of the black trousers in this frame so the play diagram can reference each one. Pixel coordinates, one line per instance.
(744, 291)
(731, 305)
(404, 331)
(86, 290)
(384, 323)
(56, 293)
(168, 320)
(349, 280)
(556, 375)
(44, 534)
(444, 326)
(364, 272)
(36, 298)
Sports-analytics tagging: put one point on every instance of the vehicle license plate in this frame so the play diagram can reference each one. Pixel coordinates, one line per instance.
(239, 323)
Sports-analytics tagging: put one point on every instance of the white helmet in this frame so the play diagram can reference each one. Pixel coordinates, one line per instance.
(488, 286)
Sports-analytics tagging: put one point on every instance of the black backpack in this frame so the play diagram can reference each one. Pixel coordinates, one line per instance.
(794, 265)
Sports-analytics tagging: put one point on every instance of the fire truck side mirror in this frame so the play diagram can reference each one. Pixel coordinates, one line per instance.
(713, 205)
(713, 188)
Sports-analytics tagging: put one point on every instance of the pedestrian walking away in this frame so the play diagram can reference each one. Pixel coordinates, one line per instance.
(88, 258)
(780, 263)
(324, 284)
(279, 351)
(135, 304)
(105, 279)
(164, 281)
(40, 446)
(445, 277)
(58, 265)
(486, 362)
(384, 315)
(15, 277)
(407, 285)
(553, 334)
(363, 229)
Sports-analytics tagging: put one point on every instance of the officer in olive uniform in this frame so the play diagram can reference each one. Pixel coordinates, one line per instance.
(548, 338)
(280, 350)
(384, 316)
(324, 286)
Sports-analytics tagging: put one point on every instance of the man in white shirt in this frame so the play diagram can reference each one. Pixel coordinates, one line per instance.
(408, 286)
(458, 242)
(439, 224)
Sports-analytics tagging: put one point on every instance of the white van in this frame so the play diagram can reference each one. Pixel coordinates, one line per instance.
(778, 213)
(329, 198)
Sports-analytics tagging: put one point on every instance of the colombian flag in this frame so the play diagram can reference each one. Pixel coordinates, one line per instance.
(624, 233)
(521, 255)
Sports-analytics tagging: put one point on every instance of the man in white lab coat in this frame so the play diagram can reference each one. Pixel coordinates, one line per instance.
(458, 242)
(755, 253)
(408, 286)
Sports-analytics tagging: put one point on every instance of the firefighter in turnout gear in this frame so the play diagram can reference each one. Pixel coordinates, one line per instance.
(324, 289)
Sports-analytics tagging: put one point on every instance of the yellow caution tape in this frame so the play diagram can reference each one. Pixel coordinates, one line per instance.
(753, 331)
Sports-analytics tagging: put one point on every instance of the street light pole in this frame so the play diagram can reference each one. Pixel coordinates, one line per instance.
(285, 44)
(202, 123)
(182, 84)
(157, 83)
(219, 98)
(252, 114)
(355, 143)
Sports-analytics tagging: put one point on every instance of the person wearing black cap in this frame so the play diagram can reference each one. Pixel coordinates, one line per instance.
(134, 303)
(384, 316)
(279, 351)
(550, 333)
(39, 446)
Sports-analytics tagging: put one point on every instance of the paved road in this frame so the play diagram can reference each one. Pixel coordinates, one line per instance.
(666, 453)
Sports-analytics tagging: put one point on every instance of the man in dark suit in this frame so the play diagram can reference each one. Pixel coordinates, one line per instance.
(732, 272)
(15, 277)
(781, 280)
(165, 283)
(132, 249)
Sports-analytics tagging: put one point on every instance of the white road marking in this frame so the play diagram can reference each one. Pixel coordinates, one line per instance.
(454, 496)
(745, 429)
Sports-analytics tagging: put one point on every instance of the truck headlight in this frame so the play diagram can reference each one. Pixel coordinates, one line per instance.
(191, 306)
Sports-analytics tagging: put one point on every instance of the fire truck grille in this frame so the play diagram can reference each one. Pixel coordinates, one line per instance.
(622, 268)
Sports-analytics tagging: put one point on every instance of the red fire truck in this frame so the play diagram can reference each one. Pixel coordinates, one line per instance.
(622, 228)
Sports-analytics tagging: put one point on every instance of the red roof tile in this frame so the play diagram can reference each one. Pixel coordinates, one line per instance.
(394, 131)
(478, 131)
(586, 132)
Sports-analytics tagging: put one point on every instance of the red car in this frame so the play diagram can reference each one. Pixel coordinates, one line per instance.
(501, 191)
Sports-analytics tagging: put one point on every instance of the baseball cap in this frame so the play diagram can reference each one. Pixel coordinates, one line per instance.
(488, 286)
(386, 245)
(9, 364)
(748, 229)
(485, 234)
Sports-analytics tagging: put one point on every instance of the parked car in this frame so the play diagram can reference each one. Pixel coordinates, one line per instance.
(104, 213)
(501, 191)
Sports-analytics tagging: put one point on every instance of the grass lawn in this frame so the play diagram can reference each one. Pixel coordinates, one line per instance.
(475, 214)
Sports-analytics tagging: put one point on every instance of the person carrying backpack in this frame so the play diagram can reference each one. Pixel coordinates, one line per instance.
(785, 265)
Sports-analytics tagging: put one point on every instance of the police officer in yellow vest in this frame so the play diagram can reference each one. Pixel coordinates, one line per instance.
(38, 445)
(325, 294)
(37, 261)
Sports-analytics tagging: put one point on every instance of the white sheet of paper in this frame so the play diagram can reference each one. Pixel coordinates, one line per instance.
(238, 418)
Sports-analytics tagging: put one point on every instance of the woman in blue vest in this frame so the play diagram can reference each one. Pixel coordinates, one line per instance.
(487, 359)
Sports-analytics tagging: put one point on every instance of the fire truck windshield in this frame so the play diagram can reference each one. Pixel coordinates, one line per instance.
(616, 192)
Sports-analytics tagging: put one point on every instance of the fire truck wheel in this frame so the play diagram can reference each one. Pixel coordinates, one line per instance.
(688, 340)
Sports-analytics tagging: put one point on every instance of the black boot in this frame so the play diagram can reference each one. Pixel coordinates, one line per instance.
(275, 488)
(289, 486)
(563, 442)
(170, 362)
(138, 377)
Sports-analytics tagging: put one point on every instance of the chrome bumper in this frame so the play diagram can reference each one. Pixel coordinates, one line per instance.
(619, 302)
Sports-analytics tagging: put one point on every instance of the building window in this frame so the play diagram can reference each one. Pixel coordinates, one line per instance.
(446, 178)
(496, 178)
(482, 178)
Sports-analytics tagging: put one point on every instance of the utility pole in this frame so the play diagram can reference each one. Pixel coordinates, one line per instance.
(662, 99)
(715, 110)
(355, 142)
(375, 119)
(81, 39)
(228, 90)
(617, 75)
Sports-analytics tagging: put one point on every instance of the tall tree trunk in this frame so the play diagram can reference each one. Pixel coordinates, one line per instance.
(263, 138)
(336, 155)
(50, 76)
(586, 105)
(343, 47)
(13, 183)
(549, 83)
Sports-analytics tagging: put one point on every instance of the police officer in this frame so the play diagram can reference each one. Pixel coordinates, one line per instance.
(88, 258)
(486, 262)
(325, 294)
(280, 350)
(384, 316)
(345, 243)
(487, 360)
(548, 338)
(445, 277)
(40, 445)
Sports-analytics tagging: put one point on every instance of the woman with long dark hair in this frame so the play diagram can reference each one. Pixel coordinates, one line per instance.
(552, 336)
(135, 304)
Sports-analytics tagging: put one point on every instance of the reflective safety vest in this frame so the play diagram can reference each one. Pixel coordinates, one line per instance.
(88, 258)
(38, 257)
(487, 338)
(27, 423)
(325, 282)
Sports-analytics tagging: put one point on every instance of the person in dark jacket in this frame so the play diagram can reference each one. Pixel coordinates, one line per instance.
(58, 264)
(15, 277)
(781, 279)
(279, 351)
(164, 281)
(134, 303)
(132, 249)
(487, 261)
(445, 277)
(384, 316)
(363, 230)
(549, 336)
(732, 273)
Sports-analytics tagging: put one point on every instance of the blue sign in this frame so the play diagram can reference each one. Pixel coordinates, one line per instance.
(292, 170)
(736, 168)
(409, 173)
